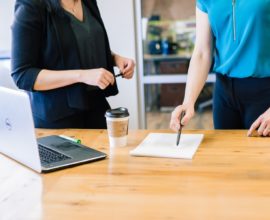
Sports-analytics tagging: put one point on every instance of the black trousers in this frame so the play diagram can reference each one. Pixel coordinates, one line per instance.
(90, 119)
(239, 102)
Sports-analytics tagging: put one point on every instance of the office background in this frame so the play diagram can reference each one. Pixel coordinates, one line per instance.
(158, 84)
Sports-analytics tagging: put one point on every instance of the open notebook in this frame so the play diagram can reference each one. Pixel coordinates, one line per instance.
(164, 145)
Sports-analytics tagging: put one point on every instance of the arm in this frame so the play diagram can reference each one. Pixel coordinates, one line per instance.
(200, 65)
(48, 79)
(26, 43)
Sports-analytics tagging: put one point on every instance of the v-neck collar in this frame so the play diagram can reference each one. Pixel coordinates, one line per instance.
(75, 18)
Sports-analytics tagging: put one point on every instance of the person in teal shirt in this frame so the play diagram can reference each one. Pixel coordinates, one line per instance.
(233, 42)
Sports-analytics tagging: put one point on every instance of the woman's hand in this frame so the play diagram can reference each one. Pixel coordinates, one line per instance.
(97, 77)
(262, 124)
(175, 118)
(125, 65)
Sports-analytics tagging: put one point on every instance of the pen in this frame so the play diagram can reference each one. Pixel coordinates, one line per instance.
(120, 74)
(78, 141)
(180, 129)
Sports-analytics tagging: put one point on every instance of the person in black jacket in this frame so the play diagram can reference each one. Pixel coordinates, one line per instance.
(61, 56)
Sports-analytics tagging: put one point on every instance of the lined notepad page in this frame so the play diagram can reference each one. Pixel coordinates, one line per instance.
(164, 145)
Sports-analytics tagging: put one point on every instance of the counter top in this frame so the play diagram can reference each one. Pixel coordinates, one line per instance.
(228, 178)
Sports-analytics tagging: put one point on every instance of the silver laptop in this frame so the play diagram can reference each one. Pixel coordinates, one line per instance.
(18, 140)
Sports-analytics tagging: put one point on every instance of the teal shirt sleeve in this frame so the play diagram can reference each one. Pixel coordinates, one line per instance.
(201, 5)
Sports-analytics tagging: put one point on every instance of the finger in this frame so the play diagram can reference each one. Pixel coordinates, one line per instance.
(175, 127)
(109, 75)
(175, 123)
(102, 85)
(176, 118)
(186, 119)
(121, 67)
(110, 78)
(171, 125)
(266, 131)
(105, 81)
(128, 75)
(254, 126)
(129, 66)
(175, 115)
(262, 127)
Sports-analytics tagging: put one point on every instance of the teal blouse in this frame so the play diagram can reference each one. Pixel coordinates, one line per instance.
(241, 30)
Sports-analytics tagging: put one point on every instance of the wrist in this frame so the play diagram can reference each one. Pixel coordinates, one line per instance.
(114, 58)
(188, 103)
(79, 76)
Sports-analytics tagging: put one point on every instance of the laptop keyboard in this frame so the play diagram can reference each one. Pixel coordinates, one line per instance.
(48, 156)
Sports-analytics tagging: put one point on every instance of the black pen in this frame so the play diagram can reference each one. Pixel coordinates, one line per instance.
(180, 129)
(120, 74)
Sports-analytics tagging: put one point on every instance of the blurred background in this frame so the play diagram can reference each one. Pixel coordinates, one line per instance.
(168, 41)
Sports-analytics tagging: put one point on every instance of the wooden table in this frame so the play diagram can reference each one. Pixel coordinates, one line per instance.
(229, 178)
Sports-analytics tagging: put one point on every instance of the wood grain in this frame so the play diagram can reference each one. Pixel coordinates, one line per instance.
(228, 178)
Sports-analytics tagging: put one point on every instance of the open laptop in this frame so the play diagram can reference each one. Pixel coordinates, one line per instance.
(18, 141)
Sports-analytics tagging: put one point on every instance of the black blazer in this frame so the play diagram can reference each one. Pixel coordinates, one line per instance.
(43, 39)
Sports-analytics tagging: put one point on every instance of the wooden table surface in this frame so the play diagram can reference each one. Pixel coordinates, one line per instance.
(229, 178)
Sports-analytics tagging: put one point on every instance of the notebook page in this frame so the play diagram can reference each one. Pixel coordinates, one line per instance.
(164, 145)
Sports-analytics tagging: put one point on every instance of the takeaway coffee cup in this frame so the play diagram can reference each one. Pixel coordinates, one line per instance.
(117, 124)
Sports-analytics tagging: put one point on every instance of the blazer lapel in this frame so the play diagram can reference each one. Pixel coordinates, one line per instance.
(92, 5)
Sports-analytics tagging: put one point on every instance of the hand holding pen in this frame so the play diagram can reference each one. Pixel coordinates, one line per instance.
(180, 128)
(125, 65)
(176, 115)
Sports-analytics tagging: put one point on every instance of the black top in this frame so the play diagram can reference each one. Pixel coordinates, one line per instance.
(90, 40)
(43, 39)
